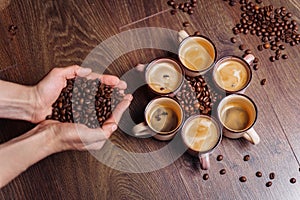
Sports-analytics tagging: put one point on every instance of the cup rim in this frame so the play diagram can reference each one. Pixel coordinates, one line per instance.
(217, 123)
(228, 57)
(172, 131)
(254, 105)
(198, 36)
(171, 60)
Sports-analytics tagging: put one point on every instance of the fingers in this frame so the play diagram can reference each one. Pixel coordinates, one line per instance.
(118, 112)
(109, 80)
(71, 71)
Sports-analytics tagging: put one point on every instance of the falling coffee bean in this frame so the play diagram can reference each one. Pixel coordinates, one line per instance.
(284, 56)
(243, 179)
(263, 81)
(242, 47)
(205, 177)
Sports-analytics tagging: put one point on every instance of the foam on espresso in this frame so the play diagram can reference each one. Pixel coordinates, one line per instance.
(164, 77)
(237, 114)
(197, 54)
(231, 75)
(201, 134)
(164, 115)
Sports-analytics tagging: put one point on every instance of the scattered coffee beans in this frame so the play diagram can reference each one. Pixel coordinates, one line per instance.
(271, 25)
(243, 179)
(187, 7)
(246, 158)
(293, 180)
(223, 171)
(269, 184)
(86, 102)
(258, 174)
(220, 158)
(205, 177)
(272, 175)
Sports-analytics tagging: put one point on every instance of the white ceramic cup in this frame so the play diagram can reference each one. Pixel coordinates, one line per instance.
(163, 118)
(201, 134)
(196, 53)
(238, 113)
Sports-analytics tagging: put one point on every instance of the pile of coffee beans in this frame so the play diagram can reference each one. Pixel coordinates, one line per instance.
(86, 102)
(187, 6)
(196, 97)
(273, 26)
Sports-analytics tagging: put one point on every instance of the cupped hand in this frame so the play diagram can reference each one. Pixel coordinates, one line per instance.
(47, 90)
(69, 136)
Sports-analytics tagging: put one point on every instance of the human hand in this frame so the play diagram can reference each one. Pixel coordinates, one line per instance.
(71, 136)
(48, 89)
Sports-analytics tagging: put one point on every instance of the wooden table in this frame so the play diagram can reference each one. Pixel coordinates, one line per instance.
(62, 33)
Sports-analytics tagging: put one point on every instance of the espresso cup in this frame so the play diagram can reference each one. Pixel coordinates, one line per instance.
(163, 118)
(196, 53)
(164, 76)
(238, 113)
(233, 74)
(201, 134)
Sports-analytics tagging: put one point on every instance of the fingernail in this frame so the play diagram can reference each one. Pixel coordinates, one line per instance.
(83, 70)
(128, 97)
(114, 128)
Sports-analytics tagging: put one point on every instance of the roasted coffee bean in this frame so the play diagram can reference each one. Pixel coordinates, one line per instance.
(272, 175)
(173, 12)
(243, 179)
(284, 56)
(186, 24)
(246, 157)
(220, 158)
(223, 171)
(255, 67)
(269, 184)
(258, 174)
(293, 180)
(233, 40)
(263, 81)
(260, 47)
(272, 58)
(242, 47)
(205, 177)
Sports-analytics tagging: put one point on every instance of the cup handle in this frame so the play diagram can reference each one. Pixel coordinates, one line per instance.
(249, 58)
(142, 130)
(252, 136)
(182, 34)
(204, 161)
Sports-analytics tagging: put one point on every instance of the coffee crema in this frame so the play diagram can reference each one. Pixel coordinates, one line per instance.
(164, 115)
(201, 134)
(232, 74)
(164, 77)
(238, 115)
(197, 54)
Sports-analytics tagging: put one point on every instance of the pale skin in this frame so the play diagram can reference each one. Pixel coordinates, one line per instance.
(34, 103)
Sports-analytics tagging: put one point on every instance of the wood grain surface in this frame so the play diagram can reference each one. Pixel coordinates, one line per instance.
(60, 33)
